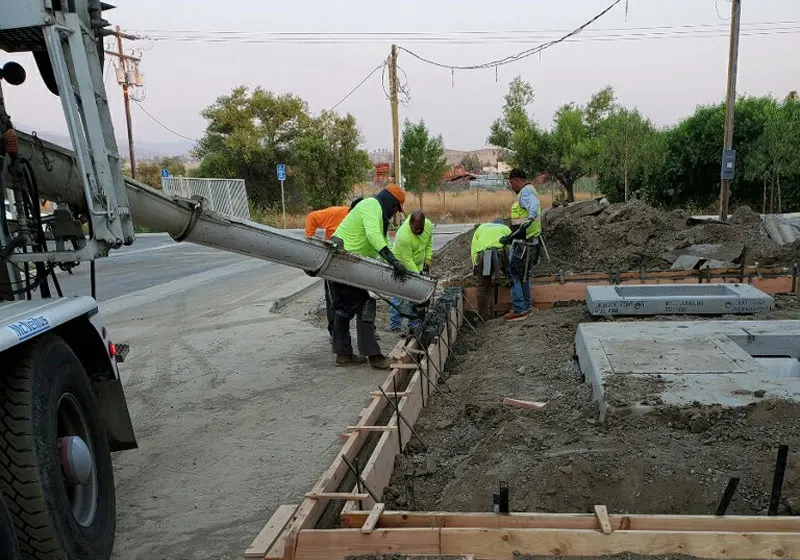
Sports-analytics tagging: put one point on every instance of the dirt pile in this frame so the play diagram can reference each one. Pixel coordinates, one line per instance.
(592, 237)
(561, 459)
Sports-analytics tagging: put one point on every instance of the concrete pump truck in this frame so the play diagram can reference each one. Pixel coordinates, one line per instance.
(62, 405)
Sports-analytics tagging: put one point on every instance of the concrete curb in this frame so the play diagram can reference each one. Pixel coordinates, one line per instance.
(284, 301)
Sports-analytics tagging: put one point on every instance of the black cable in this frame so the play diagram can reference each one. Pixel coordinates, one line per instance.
(515, 57)
(361, 83)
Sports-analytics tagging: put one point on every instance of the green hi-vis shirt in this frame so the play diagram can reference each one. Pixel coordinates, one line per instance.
(362, 229)
(487, 236)
(413, 250)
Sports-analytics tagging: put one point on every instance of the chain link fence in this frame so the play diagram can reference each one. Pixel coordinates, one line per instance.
(226, 196)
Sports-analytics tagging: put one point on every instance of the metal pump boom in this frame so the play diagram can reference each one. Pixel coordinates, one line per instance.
(59, 180)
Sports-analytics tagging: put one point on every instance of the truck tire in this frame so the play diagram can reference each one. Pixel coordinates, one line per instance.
(8, 540)
(46, 397)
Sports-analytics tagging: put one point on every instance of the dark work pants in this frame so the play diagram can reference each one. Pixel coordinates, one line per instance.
(329, 307)
(349, 302)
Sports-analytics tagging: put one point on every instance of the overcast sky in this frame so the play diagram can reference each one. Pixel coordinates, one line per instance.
(666, 78)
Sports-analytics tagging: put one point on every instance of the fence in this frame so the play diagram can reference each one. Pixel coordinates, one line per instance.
(226, 196)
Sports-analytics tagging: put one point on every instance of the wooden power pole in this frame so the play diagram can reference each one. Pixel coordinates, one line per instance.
(398, 177)
(123, 58)
(728, 153)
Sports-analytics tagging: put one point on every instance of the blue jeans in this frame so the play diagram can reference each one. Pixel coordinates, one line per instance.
(521, 295)
(396, 319)
(521, 287)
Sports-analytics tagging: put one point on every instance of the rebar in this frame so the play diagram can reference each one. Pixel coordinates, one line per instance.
(401, 417)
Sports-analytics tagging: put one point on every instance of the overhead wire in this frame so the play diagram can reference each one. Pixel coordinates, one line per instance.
(361, 83)
(162, 125)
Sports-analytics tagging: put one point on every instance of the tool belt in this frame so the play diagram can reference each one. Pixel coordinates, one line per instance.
(492, 263)
(523, 255)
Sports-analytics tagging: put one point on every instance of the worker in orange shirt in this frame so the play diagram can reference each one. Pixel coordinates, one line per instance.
(328, 219)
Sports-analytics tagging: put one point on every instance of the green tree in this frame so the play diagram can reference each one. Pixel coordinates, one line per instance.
(471, 163)
(515, 132)
(328, 160)
(630, 154)
(247, 135)
(422, 159)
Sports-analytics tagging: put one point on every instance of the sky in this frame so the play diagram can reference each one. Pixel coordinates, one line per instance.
(666, 78)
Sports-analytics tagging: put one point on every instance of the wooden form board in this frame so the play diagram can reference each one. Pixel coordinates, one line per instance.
(379, 467)
(506, 544)
(546, 293)
(577, 521)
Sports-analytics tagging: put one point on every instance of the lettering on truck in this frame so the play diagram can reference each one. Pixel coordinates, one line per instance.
(26, 328)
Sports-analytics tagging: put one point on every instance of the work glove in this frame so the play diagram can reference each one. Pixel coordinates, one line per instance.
(426, 268)
(505, 240)
(400, 271)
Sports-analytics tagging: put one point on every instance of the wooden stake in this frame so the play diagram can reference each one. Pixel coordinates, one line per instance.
(372, 520)
(602, 516)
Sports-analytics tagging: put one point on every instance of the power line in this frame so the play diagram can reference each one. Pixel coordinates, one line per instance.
(518, 56)
(166, 34)
(162, 125)
(361, 83)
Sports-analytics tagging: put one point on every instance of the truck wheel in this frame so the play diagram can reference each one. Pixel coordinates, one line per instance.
(8, 540)
(55, 464)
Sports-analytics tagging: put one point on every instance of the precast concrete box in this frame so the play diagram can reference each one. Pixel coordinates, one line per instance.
(670, 299)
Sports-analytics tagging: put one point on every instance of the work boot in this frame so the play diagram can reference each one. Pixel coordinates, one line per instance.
(380, 362)
(511, 316)
(352, 360)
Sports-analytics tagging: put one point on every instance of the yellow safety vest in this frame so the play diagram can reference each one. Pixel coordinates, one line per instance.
(519, 215)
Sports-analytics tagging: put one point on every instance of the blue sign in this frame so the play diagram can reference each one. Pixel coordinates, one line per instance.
(281, 172)
(165, 172)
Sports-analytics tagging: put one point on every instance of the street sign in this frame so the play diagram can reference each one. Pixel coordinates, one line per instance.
(165, 172)
(281, 172)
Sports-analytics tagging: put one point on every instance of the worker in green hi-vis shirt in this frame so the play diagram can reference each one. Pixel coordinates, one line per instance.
(489, 262)
(413, 246)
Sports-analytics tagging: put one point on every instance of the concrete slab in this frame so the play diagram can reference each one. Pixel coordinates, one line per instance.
(668, 299)
(636, 366)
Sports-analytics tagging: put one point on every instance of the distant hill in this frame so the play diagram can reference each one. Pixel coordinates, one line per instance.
(143, 150)
(488, 156)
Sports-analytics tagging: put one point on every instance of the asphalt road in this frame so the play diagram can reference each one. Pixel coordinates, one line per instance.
(155, 259)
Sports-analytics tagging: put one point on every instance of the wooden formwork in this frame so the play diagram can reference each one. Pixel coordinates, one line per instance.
(546, 290)
(368, 528)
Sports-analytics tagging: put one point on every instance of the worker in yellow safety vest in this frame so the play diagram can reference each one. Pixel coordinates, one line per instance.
(413, 246)
(328, 219)
(526, 221)
(489, 259)
(364, 232)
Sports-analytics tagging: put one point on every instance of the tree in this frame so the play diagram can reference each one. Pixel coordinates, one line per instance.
(328, 160)
(422, 159)
(149, 172)
(247, 135)
(471, 163)
(630, 154)
(515, 132)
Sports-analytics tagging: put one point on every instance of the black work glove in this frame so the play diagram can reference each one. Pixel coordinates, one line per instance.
(505, 240)
(426, 268)
(400, 271)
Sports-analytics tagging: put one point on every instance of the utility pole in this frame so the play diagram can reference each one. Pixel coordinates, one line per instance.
(398, 177)
(126, 82)
(728, 153)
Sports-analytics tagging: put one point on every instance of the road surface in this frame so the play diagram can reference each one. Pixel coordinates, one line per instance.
(236, 410)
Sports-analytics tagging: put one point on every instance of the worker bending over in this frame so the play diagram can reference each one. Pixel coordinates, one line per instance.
(364, 231)
(413, 246)
(526, 221)
(328, 219)
(489, 259)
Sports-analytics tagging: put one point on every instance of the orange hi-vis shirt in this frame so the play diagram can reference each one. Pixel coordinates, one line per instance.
(327, 219)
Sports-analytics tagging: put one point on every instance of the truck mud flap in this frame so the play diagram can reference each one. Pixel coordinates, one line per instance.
(115, 415)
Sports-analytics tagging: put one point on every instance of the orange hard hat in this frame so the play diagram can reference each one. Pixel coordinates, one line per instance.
(398, 193)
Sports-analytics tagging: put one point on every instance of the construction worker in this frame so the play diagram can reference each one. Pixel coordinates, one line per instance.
(364, 232)
(328, 219)
(489, 259)
(413, 246)
(526, 221)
